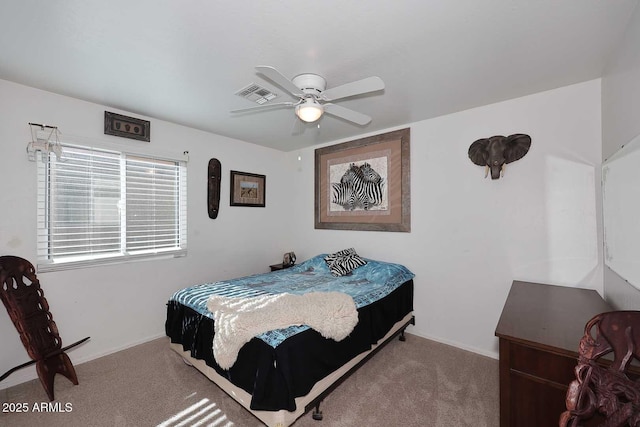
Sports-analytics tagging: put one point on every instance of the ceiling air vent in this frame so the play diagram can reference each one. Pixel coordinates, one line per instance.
(256, 93)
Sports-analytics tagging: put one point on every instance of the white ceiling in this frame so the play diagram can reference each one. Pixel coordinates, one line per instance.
(183, 61)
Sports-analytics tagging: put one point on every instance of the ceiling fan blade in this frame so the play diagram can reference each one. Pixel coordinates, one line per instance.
(370, 84)
(347, 114)
(266, 106)
(279, 79)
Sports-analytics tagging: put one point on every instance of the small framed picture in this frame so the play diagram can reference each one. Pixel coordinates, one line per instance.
(248, 189)
(126, 127)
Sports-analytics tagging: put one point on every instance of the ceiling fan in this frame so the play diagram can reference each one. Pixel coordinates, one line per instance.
(314, 99)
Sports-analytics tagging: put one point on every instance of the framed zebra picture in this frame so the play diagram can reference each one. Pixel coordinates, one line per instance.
(364, 184)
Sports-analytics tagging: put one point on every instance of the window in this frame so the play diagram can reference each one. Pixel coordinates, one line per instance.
(98, 206)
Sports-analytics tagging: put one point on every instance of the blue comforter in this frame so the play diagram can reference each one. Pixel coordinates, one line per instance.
(365, 285)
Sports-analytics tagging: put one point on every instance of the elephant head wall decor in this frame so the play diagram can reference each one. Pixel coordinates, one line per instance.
(495, 152)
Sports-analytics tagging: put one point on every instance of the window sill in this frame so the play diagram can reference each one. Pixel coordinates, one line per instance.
(72, 265)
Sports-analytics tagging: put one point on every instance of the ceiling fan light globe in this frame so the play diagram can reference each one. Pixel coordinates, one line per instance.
(309, 111)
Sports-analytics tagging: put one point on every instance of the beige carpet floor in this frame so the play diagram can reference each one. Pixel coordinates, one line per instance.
(413, 383)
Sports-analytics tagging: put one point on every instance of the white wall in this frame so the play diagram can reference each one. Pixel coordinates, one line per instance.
(472, 236)
(620, 124)
(122, 305)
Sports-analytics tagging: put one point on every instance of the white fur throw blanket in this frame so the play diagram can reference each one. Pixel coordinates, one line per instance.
(237, 320)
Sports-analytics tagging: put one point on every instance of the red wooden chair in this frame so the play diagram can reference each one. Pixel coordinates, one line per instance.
(28, 309)
(606, 391)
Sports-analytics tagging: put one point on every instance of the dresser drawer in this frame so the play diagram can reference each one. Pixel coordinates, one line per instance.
(546, 367)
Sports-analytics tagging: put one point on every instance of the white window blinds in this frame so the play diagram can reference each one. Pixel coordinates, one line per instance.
(97, 206)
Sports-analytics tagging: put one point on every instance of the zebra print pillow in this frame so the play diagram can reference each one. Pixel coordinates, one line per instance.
(344, 262)
(332, 257)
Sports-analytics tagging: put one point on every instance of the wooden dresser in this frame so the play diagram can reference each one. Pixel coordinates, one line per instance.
(539, 331)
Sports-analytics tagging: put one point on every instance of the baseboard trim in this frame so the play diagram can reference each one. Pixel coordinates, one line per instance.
(29, 373)
(492, 355)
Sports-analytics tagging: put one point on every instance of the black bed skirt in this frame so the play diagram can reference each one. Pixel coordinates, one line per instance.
(276, 376)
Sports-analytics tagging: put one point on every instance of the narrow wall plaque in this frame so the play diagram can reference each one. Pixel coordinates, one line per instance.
(127, 127)
(214, 175)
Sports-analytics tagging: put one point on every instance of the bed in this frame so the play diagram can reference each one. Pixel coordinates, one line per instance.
(281, 374)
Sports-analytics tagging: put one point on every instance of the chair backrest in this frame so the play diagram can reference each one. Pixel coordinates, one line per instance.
(28, 309)
(604, 387)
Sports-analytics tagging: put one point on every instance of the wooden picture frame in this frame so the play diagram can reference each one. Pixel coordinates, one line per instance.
(127, 127)
(248, 189)
(381, 163)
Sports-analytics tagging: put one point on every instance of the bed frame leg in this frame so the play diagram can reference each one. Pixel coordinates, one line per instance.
(317, 413)
(402, 337)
